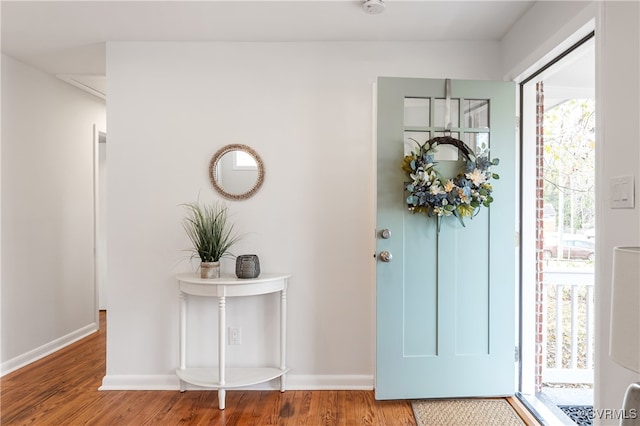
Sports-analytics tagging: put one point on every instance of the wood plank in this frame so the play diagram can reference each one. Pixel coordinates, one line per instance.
(300, 410)
(287, 413)
(194, 407)
(246, 406)
(364, 404)
(325, 412)
(522, 411)
(345, 416)
(270, 408)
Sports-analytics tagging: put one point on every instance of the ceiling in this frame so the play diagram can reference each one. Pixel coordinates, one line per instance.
(68, 37)
(572, 78)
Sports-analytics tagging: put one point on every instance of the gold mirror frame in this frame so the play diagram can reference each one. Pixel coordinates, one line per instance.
(213, 170)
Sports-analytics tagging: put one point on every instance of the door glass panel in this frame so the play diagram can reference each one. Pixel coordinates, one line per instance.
(446, 152)
(477, 141)
(476, 113)
(409, 144)
(416, 112)
(439, 113)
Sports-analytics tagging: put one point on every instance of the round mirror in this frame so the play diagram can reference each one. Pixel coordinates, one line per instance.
(236, 171)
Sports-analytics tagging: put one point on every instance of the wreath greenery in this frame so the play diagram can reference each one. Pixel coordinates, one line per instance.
(436, 195)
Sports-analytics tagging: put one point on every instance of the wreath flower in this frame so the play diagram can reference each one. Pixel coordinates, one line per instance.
(436, 195)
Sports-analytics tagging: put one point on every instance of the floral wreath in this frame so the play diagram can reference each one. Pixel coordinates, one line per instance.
(435, 195)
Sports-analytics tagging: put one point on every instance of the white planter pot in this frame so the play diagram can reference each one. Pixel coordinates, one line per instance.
(209, 270)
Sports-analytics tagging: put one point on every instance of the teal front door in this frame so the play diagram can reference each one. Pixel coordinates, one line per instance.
(445, 298)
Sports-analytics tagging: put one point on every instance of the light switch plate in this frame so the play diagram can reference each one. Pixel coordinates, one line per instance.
(622, 192)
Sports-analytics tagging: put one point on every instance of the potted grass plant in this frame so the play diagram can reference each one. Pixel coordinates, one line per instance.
(211, 234)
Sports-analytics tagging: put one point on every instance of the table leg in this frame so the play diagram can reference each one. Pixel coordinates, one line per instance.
(283, 335)
(183, 336)
(221, 348)
(221, 398)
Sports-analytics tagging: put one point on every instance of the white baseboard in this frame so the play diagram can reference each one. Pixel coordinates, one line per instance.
(329, 382)
(46, 349)
(140, 382)
(293, 382)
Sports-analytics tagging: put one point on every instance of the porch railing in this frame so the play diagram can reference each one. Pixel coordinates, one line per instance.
(568, 327)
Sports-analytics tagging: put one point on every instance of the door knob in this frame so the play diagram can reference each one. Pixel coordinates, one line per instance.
(385, 256)
(385, 233)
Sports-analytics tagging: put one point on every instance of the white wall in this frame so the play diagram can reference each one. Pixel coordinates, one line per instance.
(618, 153)
(47, 213)
(307, 110)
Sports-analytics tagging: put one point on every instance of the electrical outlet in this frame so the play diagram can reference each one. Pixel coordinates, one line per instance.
(235, 335)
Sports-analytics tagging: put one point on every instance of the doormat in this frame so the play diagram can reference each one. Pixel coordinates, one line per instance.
(465, 412)
(580, 414)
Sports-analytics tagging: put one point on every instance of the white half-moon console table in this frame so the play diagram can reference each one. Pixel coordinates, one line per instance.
(222, 378)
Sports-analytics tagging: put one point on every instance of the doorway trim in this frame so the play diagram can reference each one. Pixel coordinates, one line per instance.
(527, 347)
(99, 137)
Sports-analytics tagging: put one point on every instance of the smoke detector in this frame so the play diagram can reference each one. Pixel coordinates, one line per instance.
(373, 6)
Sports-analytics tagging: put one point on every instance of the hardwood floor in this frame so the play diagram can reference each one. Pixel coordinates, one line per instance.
(62, 389)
